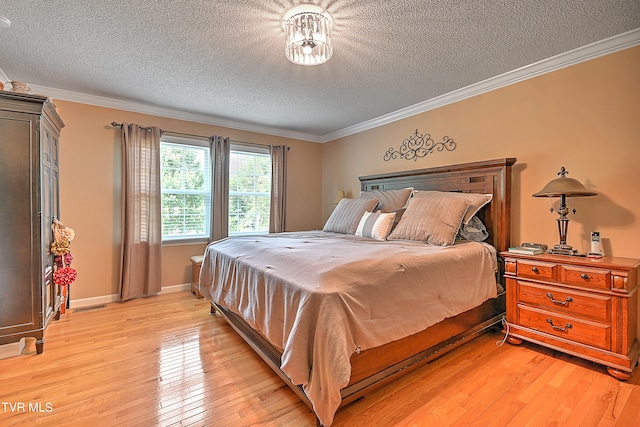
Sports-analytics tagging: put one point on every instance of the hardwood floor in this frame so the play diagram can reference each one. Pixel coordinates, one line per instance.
(166, 361)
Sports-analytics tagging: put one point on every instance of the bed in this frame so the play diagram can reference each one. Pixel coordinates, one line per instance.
(335, 316)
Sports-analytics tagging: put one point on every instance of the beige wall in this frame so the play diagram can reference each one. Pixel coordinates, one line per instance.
(90, 159)
(585, 118)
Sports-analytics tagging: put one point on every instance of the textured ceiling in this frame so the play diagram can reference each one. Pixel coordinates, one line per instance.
(225, 59)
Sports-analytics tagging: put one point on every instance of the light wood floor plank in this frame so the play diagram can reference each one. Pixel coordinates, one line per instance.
(165, 361)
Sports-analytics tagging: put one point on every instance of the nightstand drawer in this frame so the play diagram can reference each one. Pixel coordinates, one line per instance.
(582, 304)
(582, 276)
(536, 270)
(567, 327)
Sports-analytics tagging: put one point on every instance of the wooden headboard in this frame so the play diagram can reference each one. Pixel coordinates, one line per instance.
(487, 177)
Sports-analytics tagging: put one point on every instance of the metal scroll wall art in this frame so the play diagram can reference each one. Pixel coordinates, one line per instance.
(419, 145)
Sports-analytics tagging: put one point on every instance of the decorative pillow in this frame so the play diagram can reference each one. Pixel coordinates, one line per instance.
(375, 225)
(474, 230)
(398, 217)
(390, 200)
(476, 200)
(435, 220)
(346, 216)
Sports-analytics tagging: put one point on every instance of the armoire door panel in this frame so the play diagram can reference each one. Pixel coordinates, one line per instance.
(15, 224)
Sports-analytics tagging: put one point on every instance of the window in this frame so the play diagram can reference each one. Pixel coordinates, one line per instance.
(186, 188)
(249, 190)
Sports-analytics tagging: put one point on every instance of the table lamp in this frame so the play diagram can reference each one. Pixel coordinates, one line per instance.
(564, 187)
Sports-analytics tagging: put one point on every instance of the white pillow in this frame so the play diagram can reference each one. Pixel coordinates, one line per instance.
(375, 225)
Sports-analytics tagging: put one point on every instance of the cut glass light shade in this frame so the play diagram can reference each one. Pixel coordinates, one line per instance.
(308, 38)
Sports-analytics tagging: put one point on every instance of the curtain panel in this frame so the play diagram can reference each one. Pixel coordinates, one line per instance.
(141, 247)
(278, 188)
(219, 149)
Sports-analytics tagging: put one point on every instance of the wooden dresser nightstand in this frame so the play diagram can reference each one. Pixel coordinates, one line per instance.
(586, 307)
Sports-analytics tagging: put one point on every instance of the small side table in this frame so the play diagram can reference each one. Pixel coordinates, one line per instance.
(196, 264)
(585, 307)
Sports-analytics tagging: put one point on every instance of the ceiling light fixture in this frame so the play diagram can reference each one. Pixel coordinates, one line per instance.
(308, 38)
(4, 22)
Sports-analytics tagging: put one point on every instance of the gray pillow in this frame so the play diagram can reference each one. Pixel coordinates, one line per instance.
(347, 214)
(435, 220)
(476, 200)
(474, 230)
(390, 200)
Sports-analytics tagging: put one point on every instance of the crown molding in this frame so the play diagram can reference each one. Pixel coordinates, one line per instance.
(591, 51)
(154, 110)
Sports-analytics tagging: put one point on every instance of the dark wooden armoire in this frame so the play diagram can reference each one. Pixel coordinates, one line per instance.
(29, 200)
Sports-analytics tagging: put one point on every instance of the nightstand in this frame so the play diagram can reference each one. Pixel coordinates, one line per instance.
(196, 265)
(586, 307)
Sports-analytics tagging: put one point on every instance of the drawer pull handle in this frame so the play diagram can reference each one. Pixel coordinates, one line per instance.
(534, 269)
(566, 301)
(585, 276)
(559, 328)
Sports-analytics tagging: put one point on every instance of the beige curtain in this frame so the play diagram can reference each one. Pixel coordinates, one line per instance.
(278, 188)
(141, 248)
(219, 148)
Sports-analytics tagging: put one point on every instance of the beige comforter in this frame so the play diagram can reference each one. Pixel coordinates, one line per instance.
(322, 296)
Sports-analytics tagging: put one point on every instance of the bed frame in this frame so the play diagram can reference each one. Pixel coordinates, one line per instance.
(375, 367)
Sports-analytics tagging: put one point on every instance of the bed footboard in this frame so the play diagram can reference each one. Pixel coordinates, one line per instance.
(374, 368)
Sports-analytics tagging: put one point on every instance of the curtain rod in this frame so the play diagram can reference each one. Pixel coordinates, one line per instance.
(114, 124)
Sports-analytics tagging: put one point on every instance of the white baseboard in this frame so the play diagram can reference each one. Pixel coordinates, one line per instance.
(105, 299)
(175, 288)
(86, 302)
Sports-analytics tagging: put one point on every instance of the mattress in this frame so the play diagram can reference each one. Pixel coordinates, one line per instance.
(320, 297)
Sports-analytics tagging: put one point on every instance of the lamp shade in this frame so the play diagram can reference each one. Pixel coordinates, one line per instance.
(564, 186)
